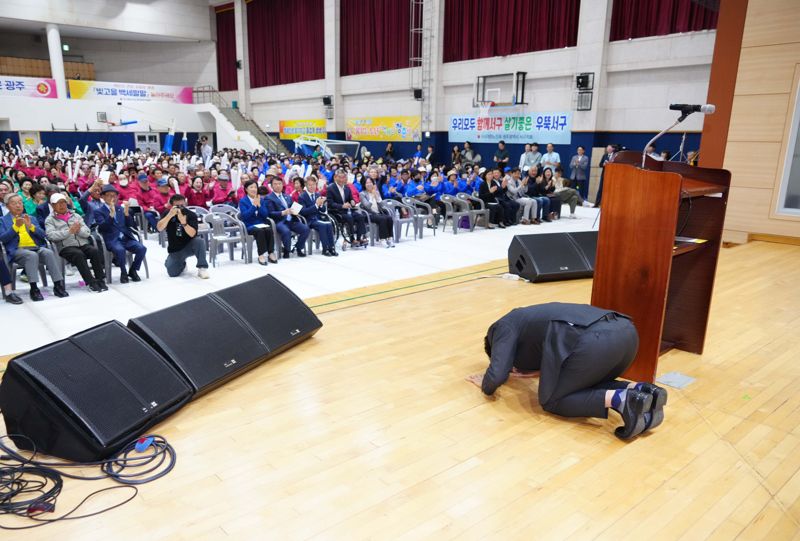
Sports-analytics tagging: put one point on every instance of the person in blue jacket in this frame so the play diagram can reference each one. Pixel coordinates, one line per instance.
(396, 187)
(253, 212)
(117, 227)
(286, 222)
(314, 204)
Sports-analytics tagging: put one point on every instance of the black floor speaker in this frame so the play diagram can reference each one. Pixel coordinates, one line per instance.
(85, 397)
(214, 338)
(553, 256)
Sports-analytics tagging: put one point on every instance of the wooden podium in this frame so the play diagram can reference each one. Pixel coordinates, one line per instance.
(657, 251)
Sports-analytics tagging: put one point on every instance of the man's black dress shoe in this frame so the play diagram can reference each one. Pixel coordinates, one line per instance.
(636, 404)
(657, 407)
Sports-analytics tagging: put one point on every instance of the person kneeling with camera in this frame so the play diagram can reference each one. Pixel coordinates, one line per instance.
(182, 239)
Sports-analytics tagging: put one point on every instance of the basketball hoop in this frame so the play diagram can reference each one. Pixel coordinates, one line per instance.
(484, 108)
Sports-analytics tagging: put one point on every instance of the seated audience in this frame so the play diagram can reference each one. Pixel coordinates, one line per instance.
(370, 202)
(286, 220)
(517, 190)
(314, 204)
(72, 238)
(342, 206)
(196, 193)
(537, 190)
(254, 214)
(182, 241)
(567, 195)
(5, 282)
(25, 245)
(117, 227)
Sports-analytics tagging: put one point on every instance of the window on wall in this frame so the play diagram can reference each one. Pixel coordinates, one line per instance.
(641, 18)
(789, 194)
(484, 28)
(374, 35)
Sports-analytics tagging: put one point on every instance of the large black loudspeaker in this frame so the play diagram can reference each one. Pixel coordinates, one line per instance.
(85, 397)
(553, 256)
(214, 338)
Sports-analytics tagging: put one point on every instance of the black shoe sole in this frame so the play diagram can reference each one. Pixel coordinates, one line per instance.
(635, 409)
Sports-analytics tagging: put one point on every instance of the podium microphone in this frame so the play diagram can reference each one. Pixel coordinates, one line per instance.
(686, 110)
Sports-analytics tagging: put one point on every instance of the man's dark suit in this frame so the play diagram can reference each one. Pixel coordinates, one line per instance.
(286, 225)
(118, 235)
(607, 158)
(580, 350)
(351, 217)
(312, 215)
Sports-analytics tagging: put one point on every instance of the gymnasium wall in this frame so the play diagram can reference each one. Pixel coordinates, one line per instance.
(169, 19)
(767, 83)
(129, 61)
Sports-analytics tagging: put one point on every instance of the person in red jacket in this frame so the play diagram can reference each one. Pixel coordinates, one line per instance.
(145, 196)
(222, 192)
(162, 196)
(125, 188)
(196, 194)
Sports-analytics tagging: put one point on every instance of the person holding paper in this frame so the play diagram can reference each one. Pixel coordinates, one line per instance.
(283, 212)
(253, 212)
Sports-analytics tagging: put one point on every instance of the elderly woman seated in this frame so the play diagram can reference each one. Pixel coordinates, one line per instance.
(71, 237)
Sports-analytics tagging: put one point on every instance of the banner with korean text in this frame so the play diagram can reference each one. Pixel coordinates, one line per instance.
(539, 127)
(99, 90)
(384, 128)
(292, 129)
(27, 87)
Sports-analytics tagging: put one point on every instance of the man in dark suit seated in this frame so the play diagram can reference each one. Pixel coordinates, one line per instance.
(313, 204)
(117, 227)
(286, 222)
(579, 350)
(342, 205)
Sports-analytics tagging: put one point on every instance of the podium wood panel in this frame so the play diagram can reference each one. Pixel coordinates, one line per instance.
(634, 254)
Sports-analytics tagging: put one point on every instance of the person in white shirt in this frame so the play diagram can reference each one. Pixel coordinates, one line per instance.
(551, 160)
(651, 151)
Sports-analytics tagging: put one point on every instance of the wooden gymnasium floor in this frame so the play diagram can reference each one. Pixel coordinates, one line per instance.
(370, 431)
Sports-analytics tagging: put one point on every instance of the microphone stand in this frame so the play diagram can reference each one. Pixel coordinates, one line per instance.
(662, 132)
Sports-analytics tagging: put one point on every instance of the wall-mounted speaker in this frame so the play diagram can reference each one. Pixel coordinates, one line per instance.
(418, 94)
(327, 101)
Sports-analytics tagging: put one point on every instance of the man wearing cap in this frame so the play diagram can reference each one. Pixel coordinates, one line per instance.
(25, 245)
(221, 191)
(68, 232)
(146, 197)
(182, 240)
(163, 193)
(117, 227)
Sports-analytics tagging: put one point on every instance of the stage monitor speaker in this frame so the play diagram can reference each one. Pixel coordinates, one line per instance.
(203, 340)
(85, 397)
(278, 317)
(214, 338)
(587, 243)
(552, 256)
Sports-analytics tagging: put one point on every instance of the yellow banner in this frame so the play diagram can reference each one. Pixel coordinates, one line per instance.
(292, 129)
(384, 128)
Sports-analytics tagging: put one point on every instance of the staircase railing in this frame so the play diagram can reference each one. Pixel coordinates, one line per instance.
(209, 94)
